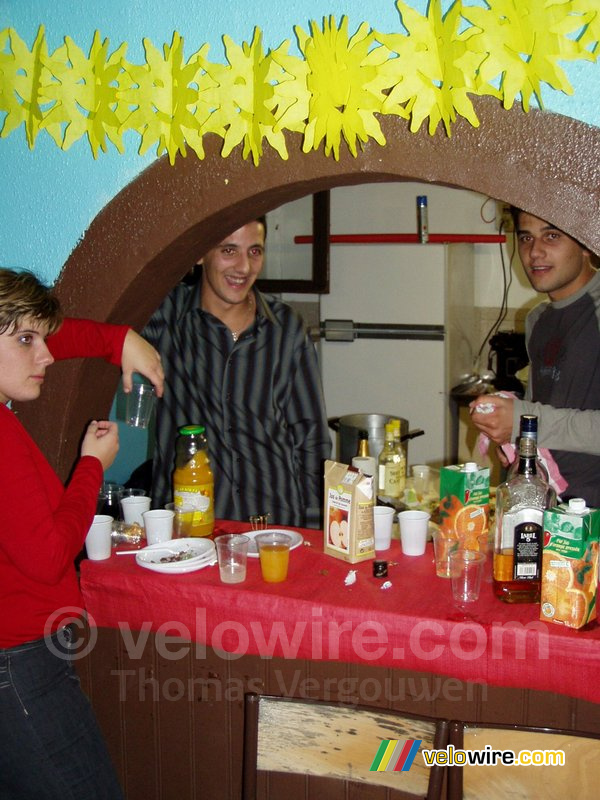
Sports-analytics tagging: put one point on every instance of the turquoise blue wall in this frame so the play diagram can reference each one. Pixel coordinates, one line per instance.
(50, 197)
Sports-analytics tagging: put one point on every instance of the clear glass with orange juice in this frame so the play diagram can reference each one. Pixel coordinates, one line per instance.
(274, 553)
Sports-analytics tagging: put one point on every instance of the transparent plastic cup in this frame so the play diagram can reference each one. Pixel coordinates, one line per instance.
(183, 520)
(140, 405)
(232, 553)
(274, 553)
(442, 547)
(466, 569)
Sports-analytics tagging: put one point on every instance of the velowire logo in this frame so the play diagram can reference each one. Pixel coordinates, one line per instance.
(395, 755)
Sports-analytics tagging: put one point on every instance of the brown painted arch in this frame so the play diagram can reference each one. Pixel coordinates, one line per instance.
(147, 237)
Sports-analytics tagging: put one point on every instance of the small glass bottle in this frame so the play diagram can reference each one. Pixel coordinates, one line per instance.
(363, 444)
(422, 219)
(520, 505)
(401, 453)
(390, 466)
(193, 483)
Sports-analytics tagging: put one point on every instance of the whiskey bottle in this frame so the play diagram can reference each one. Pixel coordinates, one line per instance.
(520, 505)
(528, 429)
(390, 466)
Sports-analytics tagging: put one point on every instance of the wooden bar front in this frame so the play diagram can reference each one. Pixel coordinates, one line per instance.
(170, 700)
(174, 725)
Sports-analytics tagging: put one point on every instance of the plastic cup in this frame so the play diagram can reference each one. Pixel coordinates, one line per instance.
(159, 525)
(133, 507)
(98, 542)
(182, 521)
(466, 569)
(414, 526)
(421, 476)
(108, 499)
(442, 547)
(232, 553)
(124, 492)
(274, 553)
(139, 405)
(383, 518)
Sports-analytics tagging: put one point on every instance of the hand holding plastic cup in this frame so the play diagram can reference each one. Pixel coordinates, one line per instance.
(414, 526)
(466, 569)
(383, 518)
(232, 553)
(98, 541)
(274, 553)
(133, 507)
(139, 405)
(159, 525)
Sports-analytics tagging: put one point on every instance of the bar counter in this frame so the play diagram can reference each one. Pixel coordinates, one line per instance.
(171, 653)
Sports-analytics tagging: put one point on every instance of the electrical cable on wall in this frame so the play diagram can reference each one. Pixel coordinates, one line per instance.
(507, 283)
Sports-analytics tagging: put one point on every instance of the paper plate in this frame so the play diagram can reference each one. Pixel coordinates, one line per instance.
(296, 538)
(178, 556)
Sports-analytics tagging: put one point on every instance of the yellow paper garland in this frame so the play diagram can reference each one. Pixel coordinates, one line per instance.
(334, 91)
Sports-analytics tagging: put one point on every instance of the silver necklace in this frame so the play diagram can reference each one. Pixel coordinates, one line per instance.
(235, 335)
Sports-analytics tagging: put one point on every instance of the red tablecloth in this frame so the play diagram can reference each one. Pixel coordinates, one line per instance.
(412, 625)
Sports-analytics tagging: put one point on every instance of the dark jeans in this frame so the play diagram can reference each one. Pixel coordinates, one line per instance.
(50, 745)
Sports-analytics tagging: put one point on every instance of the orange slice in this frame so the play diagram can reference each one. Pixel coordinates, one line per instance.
(469, 523)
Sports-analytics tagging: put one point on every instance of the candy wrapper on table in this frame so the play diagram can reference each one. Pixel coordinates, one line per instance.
(127, 533)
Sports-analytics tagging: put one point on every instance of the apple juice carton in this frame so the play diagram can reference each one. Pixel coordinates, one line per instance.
(465, 503)
(570, 564)
(349, 500)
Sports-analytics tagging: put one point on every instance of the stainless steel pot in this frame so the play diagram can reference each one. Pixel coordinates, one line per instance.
(349, 425)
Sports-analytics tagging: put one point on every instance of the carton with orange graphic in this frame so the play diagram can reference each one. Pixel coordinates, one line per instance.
(465, 503)
(570, 564)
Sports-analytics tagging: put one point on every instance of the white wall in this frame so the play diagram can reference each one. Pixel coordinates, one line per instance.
(406, 284)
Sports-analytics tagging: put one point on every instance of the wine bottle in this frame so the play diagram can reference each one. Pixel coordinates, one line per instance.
(396, 426)
(363, 444)
(390, 466)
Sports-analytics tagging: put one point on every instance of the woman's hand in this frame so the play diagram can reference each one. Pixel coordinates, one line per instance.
(102, 441)
(497, 424)
(139, 356)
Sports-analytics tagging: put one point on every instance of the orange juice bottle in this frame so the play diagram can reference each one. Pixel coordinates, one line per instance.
(193, 483)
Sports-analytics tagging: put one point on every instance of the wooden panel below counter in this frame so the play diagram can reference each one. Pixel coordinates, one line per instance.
(172, 711)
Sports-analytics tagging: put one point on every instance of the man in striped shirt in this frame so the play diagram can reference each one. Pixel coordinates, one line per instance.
(241, 364)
